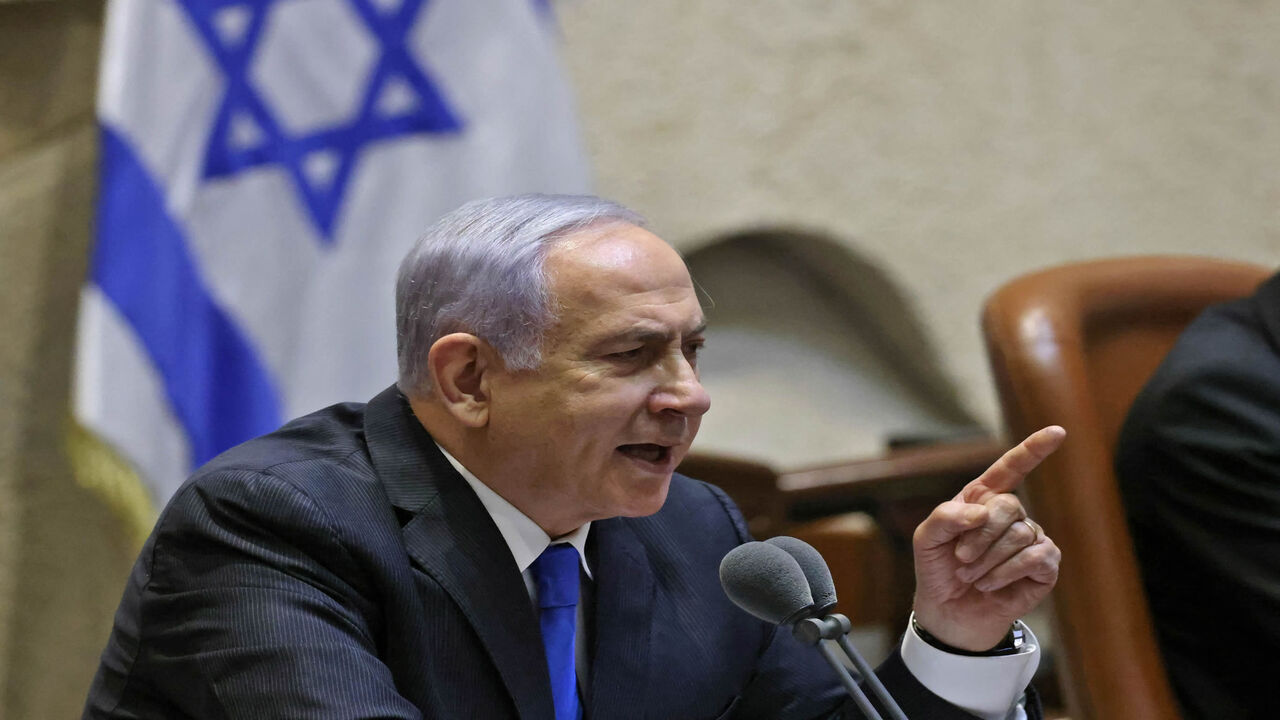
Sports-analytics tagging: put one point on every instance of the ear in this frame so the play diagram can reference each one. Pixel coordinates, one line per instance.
(461, 365)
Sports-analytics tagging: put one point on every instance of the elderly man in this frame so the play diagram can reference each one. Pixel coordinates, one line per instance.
(501, 534)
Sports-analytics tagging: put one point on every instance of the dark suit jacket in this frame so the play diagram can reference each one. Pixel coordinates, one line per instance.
(340, 568)
(1199, 467)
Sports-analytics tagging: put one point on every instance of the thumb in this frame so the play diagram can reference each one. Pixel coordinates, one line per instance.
(947, 522)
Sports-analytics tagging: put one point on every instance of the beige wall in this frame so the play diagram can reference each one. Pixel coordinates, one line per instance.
(955, 144)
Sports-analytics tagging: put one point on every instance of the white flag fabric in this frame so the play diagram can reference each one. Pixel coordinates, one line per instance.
(264, 166)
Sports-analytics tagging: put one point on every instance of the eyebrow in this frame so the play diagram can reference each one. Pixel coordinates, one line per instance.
(647, 336)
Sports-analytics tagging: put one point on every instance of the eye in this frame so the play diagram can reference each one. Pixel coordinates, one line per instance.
(692, 348)
(626, 355)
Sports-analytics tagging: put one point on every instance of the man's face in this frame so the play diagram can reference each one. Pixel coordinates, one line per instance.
(598, 428)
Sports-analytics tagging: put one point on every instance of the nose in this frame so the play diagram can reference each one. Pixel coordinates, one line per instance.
(679, 391)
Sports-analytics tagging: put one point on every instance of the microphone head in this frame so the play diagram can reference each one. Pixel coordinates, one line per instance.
(815, 569)
(767, 582)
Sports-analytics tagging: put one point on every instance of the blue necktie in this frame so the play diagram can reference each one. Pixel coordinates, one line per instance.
(556, 574)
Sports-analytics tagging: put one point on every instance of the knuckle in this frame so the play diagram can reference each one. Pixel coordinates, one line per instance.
(1021, 534)
(1046, 556)
(1006, 504)
(988, 533)
(986, 537)
(1048, 574)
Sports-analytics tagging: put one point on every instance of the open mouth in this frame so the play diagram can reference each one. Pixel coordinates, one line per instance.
(648, 452)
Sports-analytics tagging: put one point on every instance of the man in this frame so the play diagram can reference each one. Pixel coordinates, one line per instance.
(1198, 462)
(407, 558)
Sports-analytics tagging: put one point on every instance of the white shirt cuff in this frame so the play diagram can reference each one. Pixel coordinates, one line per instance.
(988, 687)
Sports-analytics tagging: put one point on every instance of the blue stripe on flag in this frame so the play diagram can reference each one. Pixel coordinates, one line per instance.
(219, 390)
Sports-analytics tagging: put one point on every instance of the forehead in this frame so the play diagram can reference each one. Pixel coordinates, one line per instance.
(623, 273)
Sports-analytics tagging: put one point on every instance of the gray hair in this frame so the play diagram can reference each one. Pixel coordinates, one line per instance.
(479, 270)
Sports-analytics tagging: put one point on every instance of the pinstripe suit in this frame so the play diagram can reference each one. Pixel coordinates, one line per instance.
(340, 568)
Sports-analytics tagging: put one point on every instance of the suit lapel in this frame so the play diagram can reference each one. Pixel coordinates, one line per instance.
(451, 537)
(625, 588)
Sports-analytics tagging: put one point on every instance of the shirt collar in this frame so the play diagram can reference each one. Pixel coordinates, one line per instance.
(523, 536)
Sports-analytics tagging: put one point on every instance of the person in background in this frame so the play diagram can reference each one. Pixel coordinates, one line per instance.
(1198, 461)
(501, 534)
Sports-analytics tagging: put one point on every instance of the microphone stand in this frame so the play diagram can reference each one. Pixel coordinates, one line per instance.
(813, 631)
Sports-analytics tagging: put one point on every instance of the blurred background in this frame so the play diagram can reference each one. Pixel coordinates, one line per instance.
(848, 180)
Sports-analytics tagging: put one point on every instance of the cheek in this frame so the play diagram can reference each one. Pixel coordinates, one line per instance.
(596, 402)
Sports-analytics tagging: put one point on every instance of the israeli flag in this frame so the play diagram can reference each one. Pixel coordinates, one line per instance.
(264, 166)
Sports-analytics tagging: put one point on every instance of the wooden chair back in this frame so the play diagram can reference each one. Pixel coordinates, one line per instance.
(1072, 346)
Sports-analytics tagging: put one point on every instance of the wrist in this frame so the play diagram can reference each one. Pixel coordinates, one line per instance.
(1009, 644)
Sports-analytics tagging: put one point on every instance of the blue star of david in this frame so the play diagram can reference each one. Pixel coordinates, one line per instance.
(246, 134)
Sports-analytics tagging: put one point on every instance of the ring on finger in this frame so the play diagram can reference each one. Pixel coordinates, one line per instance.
(1036, 531)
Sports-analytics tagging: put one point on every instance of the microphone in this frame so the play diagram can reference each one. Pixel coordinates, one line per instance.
(815, 570)
(767, 582)
(785, 581)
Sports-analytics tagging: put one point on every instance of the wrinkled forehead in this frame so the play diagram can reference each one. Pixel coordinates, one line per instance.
(620, 272)
(614, 255)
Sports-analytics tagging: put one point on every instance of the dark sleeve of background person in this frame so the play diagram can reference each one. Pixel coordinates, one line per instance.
(1199, 468)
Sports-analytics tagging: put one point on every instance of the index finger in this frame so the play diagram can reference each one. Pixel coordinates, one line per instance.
(1012, 468)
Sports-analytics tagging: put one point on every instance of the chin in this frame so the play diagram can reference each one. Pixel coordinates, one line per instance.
(647, 504)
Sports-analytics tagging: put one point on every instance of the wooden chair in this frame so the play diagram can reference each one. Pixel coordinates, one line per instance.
(1072, 346)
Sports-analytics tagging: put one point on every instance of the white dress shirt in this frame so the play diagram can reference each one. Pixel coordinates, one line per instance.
(988, 687)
